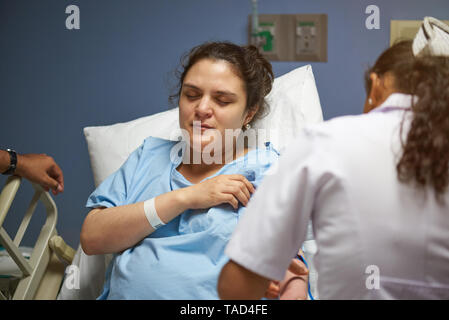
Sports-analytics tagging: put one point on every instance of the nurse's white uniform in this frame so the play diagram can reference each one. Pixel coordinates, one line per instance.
(377, 238)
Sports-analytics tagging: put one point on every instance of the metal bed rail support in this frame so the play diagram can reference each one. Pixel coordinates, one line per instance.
(26, 219)
(7, 196)
(14, 253)
(2, 296)
(33, 270)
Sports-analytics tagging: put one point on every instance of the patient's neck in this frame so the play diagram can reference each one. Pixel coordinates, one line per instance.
(196, 168)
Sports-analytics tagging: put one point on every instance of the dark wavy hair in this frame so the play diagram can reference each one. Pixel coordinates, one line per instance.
(255, 71)
(425, 153)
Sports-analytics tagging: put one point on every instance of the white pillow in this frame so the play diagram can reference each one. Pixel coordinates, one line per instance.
(293, 101)
(109, 146)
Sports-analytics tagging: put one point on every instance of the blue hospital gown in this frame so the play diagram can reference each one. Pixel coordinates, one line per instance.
(183, 259)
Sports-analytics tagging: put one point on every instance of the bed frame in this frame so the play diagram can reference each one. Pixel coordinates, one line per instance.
(43, 273)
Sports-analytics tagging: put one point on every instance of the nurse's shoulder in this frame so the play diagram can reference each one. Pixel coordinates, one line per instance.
(349, 130)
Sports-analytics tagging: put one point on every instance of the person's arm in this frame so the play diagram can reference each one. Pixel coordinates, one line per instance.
(4, 160)
(38, 168)
(295, 289)
(294, 286)
(111, 230)
(114, 229)
(238, 283)
(295, 283)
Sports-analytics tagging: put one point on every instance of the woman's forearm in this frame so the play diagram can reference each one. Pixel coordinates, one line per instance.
(294, 287)
(111, 230)
(171, 204)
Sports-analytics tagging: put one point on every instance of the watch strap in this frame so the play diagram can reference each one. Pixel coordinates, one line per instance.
(12, 162)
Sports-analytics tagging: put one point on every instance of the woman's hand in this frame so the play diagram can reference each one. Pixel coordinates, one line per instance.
(232, 189)
(273, 290)
(294, 286)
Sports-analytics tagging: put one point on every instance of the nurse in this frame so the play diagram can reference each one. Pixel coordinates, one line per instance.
(169, 211)
(374, 185)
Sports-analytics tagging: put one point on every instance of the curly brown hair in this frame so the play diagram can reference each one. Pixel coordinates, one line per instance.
(425, 153)
(255, 71)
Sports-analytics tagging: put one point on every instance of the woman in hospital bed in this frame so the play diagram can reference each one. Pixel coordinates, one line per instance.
(169, 211)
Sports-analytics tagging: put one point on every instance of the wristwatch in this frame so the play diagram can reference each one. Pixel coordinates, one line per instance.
(12, 163)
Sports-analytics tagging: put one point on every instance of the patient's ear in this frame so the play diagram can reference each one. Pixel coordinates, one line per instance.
(250, 115)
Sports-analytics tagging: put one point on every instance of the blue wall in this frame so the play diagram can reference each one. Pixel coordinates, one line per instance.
(118, 66)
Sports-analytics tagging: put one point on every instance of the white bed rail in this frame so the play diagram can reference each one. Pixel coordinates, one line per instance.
(34, 268)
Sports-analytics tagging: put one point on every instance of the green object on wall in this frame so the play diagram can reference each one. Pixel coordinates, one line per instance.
(268, 46)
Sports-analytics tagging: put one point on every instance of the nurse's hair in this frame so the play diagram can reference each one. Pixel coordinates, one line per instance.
(255, 71)
(425, 153)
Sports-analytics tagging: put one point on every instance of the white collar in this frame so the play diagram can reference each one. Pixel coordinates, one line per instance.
(396, 101)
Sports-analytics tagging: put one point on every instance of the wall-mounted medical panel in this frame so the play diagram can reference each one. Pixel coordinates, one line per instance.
(311, 37)
(291, 37)
(270, 36)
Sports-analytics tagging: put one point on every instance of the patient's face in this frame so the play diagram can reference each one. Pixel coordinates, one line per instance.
(213, 98)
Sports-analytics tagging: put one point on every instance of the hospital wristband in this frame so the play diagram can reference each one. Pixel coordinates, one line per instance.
(151, 214)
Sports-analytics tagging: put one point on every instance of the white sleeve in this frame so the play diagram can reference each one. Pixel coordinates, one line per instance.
(275, 222)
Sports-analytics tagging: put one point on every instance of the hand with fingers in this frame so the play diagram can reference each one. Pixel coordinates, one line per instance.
(232, 189)
(41, 169)
(295, 283)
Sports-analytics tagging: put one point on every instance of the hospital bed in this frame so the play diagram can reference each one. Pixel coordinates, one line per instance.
(294, 102)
